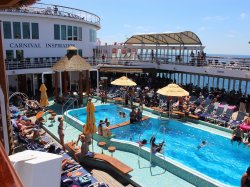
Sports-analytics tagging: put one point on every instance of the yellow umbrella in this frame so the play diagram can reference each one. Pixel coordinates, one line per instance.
(44, 98)
(173, 90)
(90, 127)
(123, 81)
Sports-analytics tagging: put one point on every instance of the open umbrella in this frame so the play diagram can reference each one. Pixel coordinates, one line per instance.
(173, 90)
(44, 98)
(90, 128)
(123, 81)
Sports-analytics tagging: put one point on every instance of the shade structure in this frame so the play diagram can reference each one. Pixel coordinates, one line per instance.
(173, 90)
(71, 62)
(44, 98)
(123, 81)
(90, 127)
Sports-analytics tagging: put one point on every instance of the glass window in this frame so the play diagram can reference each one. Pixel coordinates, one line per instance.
(7, 29)
(26, 30)
(35, 31)
(69, 32)
(90, 35)
(57, 32)
(63, 32)
(80, 33)
(17, 30)
(9, 54)
(19, 54)
(80, 52)
(75, 33)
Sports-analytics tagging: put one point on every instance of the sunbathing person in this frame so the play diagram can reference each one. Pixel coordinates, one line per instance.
(36, 137)
(237, 135)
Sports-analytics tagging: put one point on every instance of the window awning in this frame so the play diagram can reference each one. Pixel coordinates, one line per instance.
(181, 38)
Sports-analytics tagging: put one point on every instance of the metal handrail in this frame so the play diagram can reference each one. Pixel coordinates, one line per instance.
(70, 99)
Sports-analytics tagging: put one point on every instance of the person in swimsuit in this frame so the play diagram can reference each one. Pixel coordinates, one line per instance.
(84, 147)
(60, 132)
(245, 179)
(202, 144)
(154, 147)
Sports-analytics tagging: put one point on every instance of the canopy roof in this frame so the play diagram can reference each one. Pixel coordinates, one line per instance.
(181, 38)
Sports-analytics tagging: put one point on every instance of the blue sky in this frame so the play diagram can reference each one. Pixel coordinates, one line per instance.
(222, 25)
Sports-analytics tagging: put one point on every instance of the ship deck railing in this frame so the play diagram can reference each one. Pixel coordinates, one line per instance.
(57, 10)
(48, 62)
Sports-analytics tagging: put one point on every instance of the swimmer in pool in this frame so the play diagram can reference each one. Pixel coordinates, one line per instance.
(202, 144)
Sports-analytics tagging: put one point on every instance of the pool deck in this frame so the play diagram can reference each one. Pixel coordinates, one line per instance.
(126, 123)
(141, 175)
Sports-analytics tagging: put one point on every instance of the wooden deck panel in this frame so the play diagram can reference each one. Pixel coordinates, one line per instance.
(123, 168)
(126, 123)
(106, 178)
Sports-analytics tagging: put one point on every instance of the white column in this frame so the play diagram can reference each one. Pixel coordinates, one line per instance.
(42, 78)
(60, 77)
(97, 86)
(33, 78)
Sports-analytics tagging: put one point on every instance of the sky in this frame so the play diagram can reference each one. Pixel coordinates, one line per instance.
(223, 26)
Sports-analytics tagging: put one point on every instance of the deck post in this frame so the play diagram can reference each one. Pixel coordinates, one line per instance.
(246, 87)
(240, 81)
(228, 84)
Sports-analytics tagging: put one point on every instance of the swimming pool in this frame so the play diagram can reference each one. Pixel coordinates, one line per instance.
(219, 159)
(109, 111)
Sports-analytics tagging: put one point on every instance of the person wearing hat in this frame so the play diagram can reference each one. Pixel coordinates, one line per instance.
(245, 179)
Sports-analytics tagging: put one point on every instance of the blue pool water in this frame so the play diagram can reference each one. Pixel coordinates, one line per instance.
(103, 111)
(218, 159)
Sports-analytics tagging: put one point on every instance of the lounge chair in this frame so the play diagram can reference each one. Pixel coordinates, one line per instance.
(208, 112)
(224, 119)
(216, 115)
(239, 119)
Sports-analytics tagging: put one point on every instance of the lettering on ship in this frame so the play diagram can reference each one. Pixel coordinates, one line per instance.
(39, 45)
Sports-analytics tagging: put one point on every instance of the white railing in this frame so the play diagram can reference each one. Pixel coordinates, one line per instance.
(57, 10)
